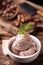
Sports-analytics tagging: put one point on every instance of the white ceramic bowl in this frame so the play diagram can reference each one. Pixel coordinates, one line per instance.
(25, 59)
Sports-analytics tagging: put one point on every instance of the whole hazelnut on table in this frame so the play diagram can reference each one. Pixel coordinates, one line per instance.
(16, 23)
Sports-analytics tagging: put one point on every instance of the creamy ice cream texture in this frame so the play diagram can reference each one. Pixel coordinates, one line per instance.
(23, 45)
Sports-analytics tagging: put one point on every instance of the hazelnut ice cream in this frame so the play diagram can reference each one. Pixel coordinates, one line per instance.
(23, 45)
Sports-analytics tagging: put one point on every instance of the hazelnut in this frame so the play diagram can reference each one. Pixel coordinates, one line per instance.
(11, 14)
(8, 9)
(8, 5)
(36, 17)
(36, 20)
(12, 3)
(13, 11)
(3, 15)
(4, 3)
(27, 17)
(4, 12)
(15, 6)
(22, 18)
(15, 23)
(7, 15)
(18, 17)
(11, 7)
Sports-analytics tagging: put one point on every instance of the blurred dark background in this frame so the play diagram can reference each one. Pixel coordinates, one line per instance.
(39, 2)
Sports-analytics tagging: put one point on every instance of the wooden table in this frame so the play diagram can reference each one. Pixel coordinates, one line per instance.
(6, 60)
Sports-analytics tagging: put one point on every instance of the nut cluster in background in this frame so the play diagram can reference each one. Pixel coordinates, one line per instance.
(7, 8)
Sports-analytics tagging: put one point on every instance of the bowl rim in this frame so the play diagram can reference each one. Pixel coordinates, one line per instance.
(38, 51)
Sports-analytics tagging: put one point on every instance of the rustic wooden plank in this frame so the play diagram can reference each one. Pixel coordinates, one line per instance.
(2, 32)
(8, 27)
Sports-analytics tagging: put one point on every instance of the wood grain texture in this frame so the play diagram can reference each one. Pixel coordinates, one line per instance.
(8, 27)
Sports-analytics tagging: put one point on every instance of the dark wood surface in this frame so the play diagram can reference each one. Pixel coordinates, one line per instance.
(6, 60)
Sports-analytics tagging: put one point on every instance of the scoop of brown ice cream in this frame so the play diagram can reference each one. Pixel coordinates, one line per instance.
(23, 45)
(22, 42)
(28, 52)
